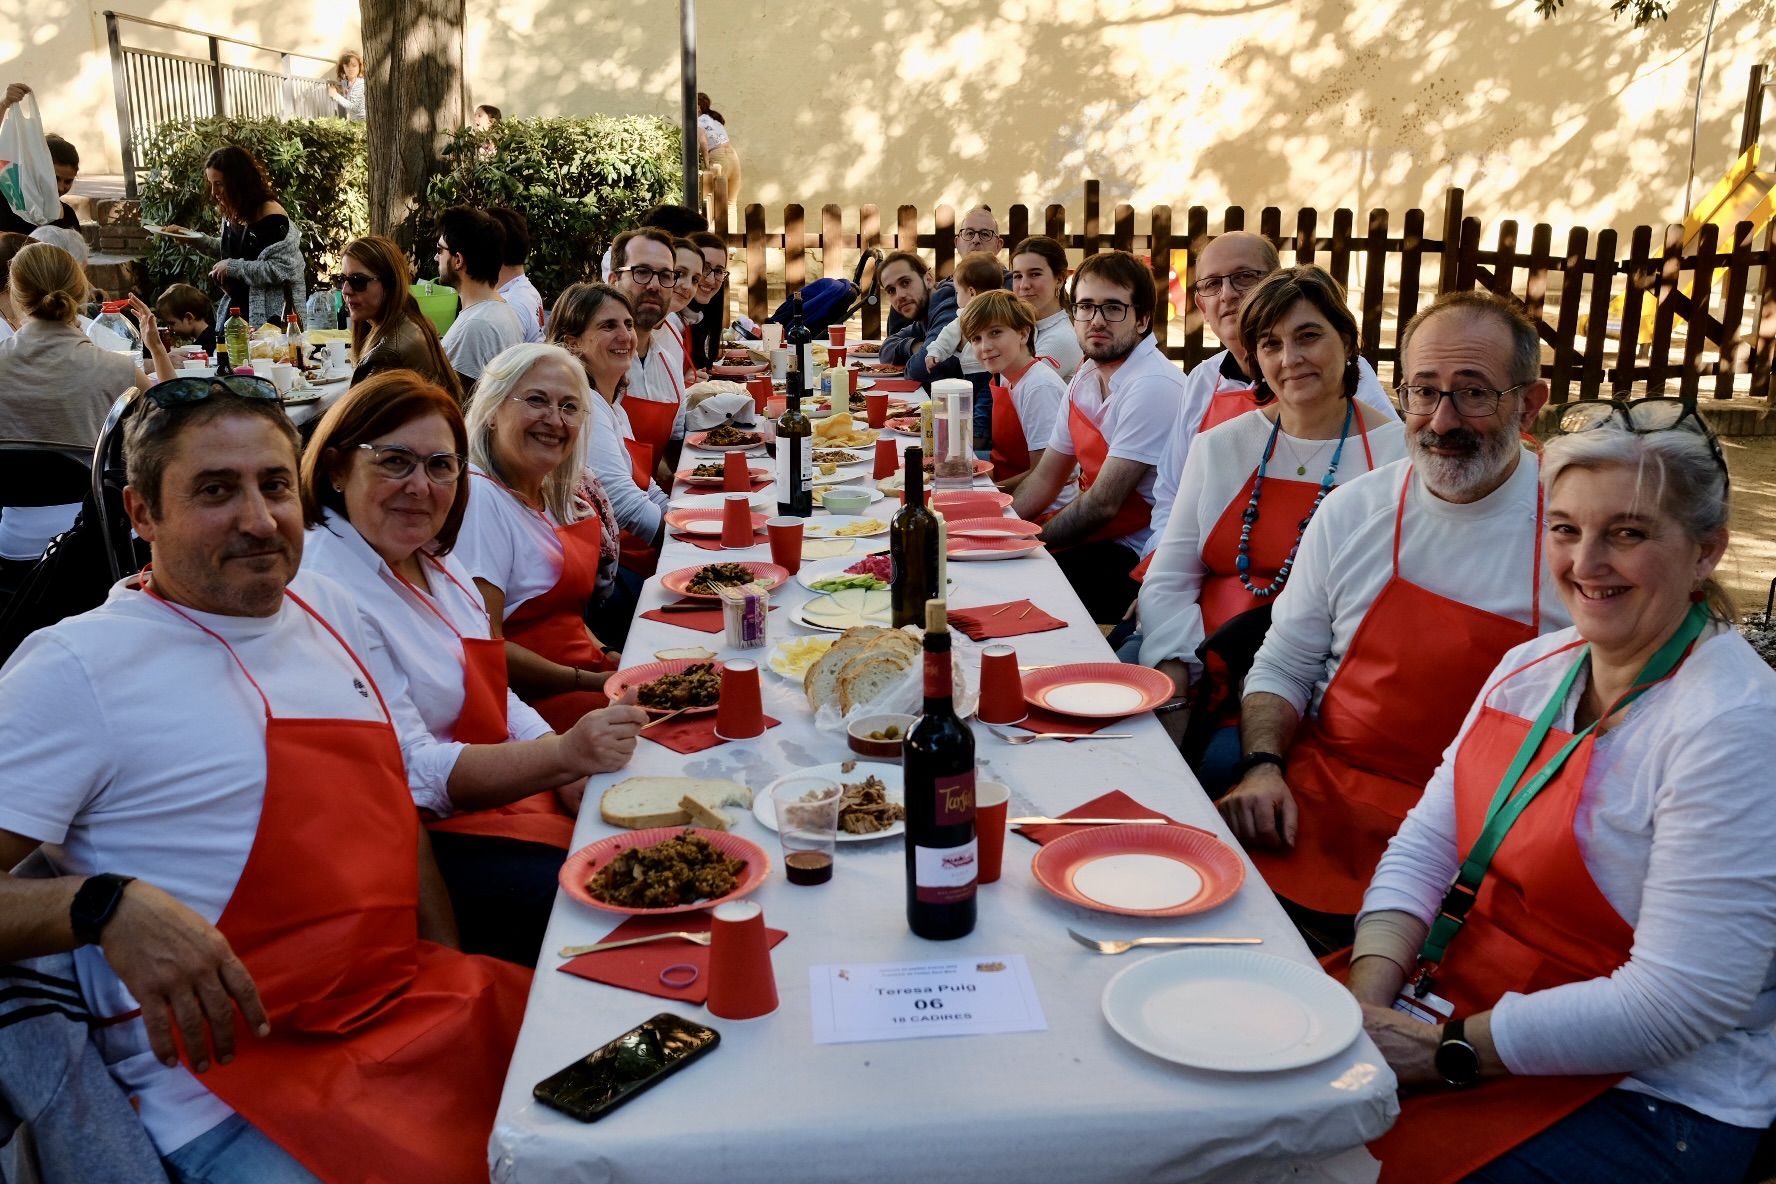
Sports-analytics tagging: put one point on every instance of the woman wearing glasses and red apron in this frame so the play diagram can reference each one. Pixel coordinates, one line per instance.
(1591, 999)
(531, 544)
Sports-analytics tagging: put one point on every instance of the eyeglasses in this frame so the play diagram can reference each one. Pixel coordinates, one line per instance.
(1113, 312)
(397, 463)
(644, 275)
(356, 281)
(570, 410)
(717, 274)
(180, 392)
(1657, 413)
(976, 236)
(1241, 282)
(1471, 402)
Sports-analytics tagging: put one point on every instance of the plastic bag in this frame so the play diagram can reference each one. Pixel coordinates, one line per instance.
(906, 697)
(27, 174)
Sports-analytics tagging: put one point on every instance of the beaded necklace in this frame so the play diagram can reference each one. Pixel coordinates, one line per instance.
(1247, 519)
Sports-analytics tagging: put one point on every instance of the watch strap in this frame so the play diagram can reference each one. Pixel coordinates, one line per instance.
(1253, 759)
(93, 905)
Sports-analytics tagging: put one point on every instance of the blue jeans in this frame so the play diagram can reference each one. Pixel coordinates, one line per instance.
(1628, 1136)
(232, 1151)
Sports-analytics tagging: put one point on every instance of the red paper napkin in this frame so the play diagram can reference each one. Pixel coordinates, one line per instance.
(1114, 804)
(707, 619)
(692, 733)
(1011, 619)
(895, 386)
(713, 542)
(1045, 721)
(637, 968)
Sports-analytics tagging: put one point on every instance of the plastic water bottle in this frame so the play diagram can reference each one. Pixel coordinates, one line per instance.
(320, 308)
(113, 331)
(234, 332)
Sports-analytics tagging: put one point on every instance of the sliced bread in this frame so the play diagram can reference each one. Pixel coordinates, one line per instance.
(641, 802)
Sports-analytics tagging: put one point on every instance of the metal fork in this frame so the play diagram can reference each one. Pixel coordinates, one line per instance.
(701, 939)
(1032, 737)
(1123, 947)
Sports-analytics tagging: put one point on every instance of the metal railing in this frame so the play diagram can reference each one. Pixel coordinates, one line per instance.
(154, 87)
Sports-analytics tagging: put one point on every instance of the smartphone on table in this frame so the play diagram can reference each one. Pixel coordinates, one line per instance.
(604, 1079)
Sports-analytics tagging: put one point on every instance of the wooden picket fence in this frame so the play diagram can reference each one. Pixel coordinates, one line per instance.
(1694, 322)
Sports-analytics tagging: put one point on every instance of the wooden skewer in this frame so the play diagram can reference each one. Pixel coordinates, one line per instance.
(1026, 611)
(1002, 608)
(663, 718)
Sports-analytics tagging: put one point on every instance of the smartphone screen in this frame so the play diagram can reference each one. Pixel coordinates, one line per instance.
(592, 1087)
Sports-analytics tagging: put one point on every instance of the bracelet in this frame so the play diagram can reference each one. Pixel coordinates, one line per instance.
(576, 671)
(1181, 703)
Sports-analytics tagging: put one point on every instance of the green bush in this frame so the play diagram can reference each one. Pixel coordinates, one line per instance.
(577, 181)
(316, 165)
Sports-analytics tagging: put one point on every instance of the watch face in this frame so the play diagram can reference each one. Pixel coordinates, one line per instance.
(1457, 1061)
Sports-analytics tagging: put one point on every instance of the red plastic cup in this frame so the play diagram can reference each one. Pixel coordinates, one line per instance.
(1001, 686)
(992, 801)
(736, 475)
(740, 715)
(742, 985)
(875, 408)
(736, 519)
(760, 390)
(835, 357)
(786, 542)
(835, 335)
(887, 457)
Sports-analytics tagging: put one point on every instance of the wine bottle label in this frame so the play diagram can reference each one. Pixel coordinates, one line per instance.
(955, 799)
(795, 466)
(940, 684)
(806, 362)
(946, 875)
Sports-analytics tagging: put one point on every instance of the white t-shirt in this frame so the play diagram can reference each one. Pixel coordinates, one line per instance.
(1133, 417)
(506, 543)
(1675, 828)
(1056, 338)
(527, 303)
(1214, 475)
(714, 134)
(416, 658)
(1220, 372)
(135, 746)
(948, 343)
(1038, 395)
(480, 333)
(1480, 554)
(638, 511)
(658, 375)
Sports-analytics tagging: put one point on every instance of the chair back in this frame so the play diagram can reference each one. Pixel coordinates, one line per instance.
(37, 475)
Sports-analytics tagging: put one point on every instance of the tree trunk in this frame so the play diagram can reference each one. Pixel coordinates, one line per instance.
(413, 62)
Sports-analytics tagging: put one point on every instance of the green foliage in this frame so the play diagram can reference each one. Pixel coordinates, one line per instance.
(1644, 12)
(578, 182)
(316, 165)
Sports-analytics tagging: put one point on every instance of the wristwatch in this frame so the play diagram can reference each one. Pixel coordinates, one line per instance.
(1456, 1059)
(1252, 760)
(93, 905)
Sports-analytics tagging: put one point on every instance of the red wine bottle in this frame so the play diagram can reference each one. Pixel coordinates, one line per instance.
(938, 763)
(795, 432)
(912, 550)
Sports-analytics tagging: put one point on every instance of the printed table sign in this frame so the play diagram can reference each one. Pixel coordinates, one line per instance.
(904, 1000)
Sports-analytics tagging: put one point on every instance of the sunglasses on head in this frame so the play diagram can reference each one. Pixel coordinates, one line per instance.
(1657, 413)
(180, 392)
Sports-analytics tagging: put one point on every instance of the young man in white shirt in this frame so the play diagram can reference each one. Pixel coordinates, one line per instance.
(470, 244)
(515, 287)
(200, 870)
(1119, 408)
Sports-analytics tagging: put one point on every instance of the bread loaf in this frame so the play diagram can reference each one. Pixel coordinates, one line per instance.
(641, 802)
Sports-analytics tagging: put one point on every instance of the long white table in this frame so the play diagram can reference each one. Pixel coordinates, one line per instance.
(1073, 1103)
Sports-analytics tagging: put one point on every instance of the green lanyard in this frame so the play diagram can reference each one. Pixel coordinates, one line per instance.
(1507, 806)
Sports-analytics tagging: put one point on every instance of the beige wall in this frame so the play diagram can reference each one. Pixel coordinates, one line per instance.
(1212, 102)
(58, 48)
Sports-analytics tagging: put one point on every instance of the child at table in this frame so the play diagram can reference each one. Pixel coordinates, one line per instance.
(1027, 391)
(976, 273)
(186, 313)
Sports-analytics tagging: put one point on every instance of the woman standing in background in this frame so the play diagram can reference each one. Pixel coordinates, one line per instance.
(712, 133)
(347, 86)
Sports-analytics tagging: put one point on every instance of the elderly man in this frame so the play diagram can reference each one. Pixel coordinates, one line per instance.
(1119, 407)
(211, 774)
(470, 247)
(978, 234)
(644, 267)
(1411, 583)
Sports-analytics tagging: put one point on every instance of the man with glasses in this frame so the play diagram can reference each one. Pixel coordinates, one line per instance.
(1411, 583)
(470, 247)
(644, 267)
(208, 771)
(515, 287)
(1120, 406)
(978, 234)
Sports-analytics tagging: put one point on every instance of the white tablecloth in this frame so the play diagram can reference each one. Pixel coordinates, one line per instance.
(1073, 1103)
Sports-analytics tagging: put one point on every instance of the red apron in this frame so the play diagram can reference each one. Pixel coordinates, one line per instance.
(1011, 451)
(1539, 922)
(651, 420)
(538, 818)
(1357, 767)
(1227, 403)
(1091, 449)
(387, 1053)
(635, 553)
(684, 350)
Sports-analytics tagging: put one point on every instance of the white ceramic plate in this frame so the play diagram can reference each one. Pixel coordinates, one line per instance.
(884, 617)
(893, 784)
(811, 573)
(1232, 1010)
(826, 528)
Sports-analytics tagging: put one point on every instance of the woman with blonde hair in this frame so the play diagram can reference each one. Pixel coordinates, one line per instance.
(532, 543)
(718, 147)
(389, 332)
(347, 87)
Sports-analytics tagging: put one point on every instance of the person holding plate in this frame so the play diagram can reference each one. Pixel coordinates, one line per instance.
(528, 538)
(388, 330)
(260, 246)
(1566, 953)
(1246, 497)
(384, 489)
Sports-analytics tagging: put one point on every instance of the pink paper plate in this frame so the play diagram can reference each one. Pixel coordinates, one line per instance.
(759, 473)
(698, 440)
(585, 863)
(706, 521)
(732, 371)
(1097, 690)
(972, 503)
(987, 528)
(768, 574)
(625, 680)
(1140, 871)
